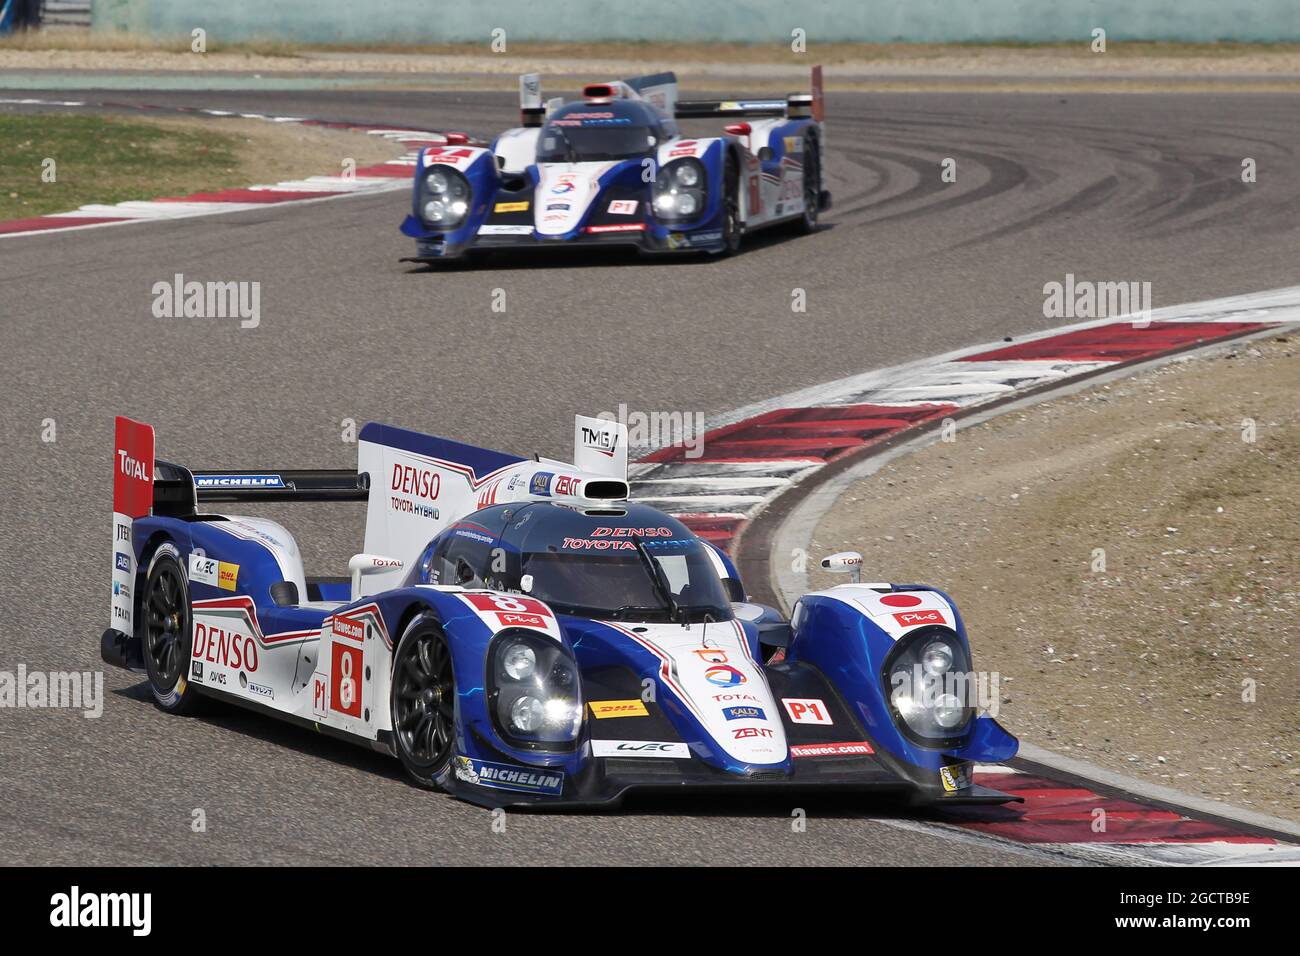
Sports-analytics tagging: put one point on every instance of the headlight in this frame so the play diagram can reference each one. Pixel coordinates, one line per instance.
(927, 676)
(534, 691)
(681, 189)
(519, 662)
(527, 715)
(444, 198)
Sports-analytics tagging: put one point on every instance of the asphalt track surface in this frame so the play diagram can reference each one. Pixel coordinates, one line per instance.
(1108, 187)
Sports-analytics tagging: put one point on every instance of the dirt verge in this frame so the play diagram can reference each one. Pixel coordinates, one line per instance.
(760, 67)
(1126, 560)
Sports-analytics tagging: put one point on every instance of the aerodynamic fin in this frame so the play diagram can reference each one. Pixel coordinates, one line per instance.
(657, 89)
(423, 484)
(133, 467)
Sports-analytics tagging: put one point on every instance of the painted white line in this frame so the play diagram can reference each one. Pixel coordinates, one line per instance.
(1276, 305)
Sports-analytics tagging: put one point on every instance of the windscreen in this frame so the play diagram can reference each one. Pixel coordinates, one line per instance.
(582, 142)
(620, 585)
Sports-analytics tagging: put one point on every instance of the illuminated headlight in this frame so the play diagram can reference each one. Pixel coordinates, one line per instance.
(680, 190)
(927, 679)
(534, 691)
(445, 197)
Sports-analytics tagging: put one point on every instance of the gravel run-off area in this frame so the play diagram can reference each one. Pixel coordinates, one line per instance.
(1125, 559)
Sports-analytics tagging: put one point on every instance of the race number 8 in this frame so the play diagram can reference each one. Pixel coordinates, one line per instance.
(345, 690)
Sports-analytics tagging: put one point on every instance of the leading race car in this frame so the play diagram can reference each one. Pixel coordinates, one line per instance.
(614, 169)
(517, 632)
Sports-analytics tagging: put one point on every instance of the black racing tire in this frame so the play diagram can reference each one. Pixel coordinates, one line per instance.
(422, 702)
(731, 227)
(166, 632)
(812, 185)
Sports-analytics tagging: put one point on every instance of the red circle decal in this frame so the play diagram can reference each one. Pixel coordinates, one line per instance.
(900, 600)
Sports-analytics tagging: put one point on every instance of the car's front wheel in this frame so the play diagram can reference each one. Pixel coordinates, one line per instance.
(423, 701)
(165, 632)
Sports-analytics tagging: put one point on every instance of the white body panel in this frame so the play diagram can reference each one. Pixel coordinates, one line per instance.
(517, 148)
(564, 193)
(710, 670)
(895, 612)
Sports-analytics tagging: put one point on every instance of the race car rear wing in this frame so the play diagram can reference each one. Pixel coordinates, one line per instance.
(794, 106)
(143, 484)
(177, 487)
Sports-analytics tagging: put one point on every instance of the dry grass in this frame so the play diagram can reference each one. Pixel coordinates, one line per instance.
(110, 159)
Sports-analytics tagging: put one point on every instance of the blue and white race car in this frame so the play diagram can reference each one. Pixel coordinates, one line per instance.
(517, 632)
(614, 169)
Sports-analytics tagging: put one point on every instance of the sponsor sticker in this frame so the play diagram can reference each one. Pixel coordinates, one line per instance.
(900, 600)
(724, 675)
(618, 227)
(500, 230)
(122, 562)
(639, 748)
(501, 776)
(601, 709)
(913, 618)
(541, 484)
(807, 710)
(840, 749)
(954, 778)
(238, 481)
(214, 573)
(511, 207)
(744, 713)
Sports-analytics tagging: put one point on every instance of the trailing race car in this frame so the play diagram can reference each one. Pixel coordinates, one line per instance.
(517, 632)
(615, 170)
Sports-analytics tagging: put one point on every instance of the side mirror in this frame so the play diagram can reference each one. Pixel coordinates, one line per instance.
(765, 154)
(844, 562)
(361, 565)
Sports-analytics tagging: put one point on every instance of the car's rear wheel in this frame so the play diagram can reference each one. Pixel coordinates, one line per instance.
(165, 632)
(731, 228)
(812, 185)
(423, 701)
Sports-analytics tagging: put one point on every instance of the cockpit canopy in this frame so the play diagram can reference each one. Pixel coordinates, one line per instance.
(625, 563)
(601, 132)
